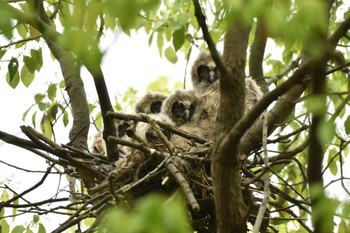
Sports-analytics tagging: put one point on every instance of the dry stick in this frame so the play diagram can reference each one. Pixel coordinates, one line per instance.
(35, 204)
(128, 117)
(20, 142)
(265, 178)
(40, 136)
(58, 150)
(35, 137)
(3, 204)
(184, 186)
(156, 128)
(75, 218)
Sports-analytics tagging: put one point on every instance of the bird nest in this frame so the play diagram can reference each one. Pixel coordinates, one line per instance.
(165, 170)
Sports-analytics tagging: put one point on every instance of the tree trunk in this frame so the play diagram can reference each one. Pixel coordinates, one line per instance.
(230, 208)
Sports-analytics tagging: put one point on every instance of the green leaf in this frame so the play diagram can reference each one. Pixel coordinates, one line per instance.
(347, 125)
(15, 80)
(14, 210)
(38, 58)
(160, 43)
(98, 120)
(41, 228)
(332, 165)
(18, 229)
(38, 98)
(46, 127)
(170, 55)
(36, 218)
(24, 116)
(316, 104)
(125, 10)
(13, 67)
(65, 118)
(27, 77)
(43, 106)
(22, 30)
(182, 18)
(150, 39)
(62, 84)
(160, 84)
(5, 227)
(326, 132)
(34, 119)
(53, 111)
(51, 91)
(342, 227)
(5, 22)
(30, 63)
(178, 38)
(2, 52)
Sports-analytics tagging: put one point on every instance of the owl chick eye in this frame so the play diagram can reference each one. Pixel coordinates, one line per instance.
(178, 107)
(122, 128)
(203, 70)
(156, 107)
(193, 107)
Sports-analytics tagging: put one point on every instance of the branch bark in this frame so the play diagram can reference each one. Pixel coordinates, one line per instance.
(256, 57)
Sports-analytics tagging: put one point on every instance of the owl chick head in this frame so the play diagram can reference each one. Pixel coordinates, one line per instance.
(181, 106)
(150, 103)
(204, 71)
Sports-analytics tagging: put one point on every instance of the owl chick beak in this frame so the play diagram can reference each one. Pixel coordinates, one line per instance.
(187, 115)
(212, 76)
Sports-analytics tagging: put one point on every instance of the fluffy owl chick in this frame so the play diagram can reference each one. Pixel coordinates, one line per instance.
(204, 72)
(181, 106)
(210, 102)
(99, 145)
(150, 103)
(148, 136)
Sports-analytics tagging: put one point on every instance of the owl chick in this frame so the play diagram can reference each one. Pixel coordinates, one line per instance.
(148, 136)
(210, 103)
(99, 145)
(145, 135)
(203, 72)
(181, 106)
(150, 103)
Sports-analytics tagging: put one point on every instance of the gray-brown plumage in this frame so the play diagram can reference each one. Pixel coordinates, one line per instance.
(184, 144)
(150, 103)
(181, 106)
(210, 100)
(145, 135)
(203, 72)
(253, 94)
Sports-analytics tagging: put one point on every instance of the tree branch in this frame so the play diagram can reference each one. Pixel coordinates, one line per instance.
(256, 57)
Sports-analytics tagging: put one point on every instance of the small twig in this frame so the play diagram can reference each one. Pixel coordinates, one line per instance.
(265, 178)
(3, 204)
(293, 65)
(156, 128)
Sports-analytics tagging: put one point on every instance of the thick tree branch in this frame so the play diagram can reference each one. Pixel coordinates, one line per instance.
(109, 128)
(256, 57)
